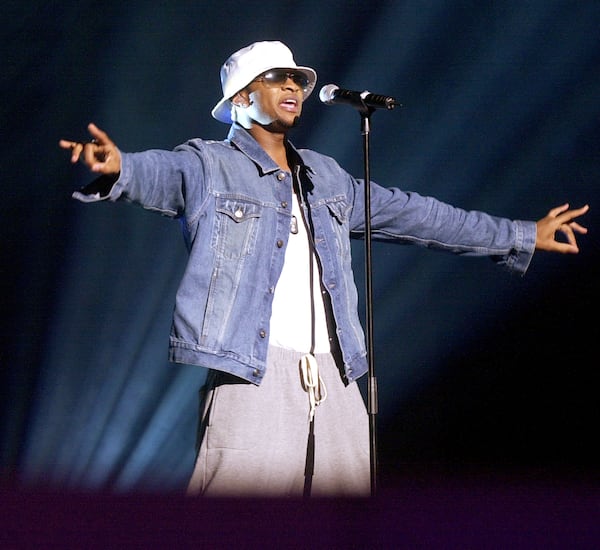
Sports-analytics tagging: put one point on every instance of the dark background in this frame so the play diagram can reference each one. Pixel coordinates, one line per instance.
(484, 376)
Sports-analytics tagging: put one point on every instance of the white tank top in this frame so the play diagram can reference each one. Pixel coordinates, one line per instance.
(291, 315)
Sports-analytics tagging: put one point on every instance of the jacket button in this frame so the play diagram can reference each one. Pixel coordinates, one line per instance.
(279, 243)
(262, 333)
(284, 204)
(281, 176)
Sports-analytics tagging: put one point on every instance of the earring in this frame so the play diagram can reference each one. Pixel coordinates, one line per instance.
(243, 104)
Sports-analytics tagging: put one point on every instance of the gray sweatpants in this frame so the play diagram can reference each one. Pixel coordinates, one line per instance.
(254, 438)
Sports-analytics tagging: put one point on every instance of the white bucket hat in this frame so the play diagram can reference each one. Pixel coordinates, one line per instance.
(246, 64)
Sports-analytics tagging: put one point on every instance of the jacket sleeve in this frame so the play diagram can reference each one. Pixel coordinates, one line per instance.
(157, 180)
(406, 217)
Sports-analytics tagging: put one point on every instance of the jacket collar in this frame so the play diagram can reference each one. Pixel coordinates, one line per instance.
(243, 140)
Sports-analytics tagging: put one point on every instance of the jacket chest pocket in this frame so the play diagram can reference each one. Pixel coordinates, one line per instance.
(236, 227)
(339, 211)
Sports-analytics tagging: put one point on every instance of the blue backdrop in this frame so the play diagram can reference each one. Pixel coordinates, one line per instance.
(480, 372)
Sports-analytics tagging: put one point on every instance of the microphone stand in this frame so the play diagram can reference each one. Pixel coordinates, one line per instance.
(372, 405)
(366, 103)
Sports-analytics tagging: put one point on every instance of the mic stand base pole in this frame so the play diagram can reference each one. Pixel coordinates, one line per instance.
(372, 405)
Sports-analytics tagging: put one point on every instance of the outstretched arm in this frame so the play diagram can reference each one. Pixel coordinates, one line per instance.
(100, 154)
(560, 219)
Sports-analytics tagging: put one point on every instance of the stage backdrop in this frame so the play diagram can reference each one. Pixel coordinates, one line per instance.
(480, 372)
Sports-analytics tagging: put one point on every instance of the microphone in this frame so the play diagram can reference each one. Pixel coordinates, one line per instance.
(331, 94)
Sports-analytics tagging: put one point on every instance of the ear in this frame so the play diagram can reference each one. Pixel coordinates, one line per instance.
(241, 99)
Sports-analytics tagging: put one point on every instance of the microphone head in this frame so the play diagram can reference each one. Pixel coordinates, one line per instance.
(326, 95)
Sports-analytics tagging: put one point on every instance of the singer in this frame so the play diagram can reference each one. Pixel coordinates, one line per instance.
(268, 302)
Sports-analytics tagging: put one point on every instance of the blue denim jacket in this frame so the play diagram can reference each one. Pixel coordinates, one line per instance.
(235, 204)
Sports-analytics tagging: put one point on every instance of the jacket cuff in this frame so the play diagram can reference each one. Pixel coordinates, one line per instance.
(520, 258)
(97, 190)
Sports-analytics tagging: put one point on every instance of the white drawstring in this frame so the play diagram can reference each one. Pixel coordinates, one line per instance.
(312, 383)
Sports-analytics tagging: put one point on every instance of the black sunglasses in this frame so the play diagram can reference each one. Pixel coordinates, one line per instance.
(276, 77)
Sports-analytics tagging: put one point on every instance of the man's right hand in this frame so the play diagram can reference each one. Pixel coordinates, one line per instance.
(100, 154)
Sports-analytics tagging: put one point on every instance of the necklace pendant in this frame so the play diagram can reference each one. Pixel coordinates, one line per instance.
(294, 225)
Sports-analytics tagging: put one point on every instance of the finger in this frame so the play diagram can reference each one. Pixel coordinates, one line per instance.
(89, 153)
(565, 229)
(554, 212)
(76, 149)
(566, 243)
(65, 144)
(571, 214)
(571, 238)
(579, 228)
(91, 150)
(99, 135)
(567, 248)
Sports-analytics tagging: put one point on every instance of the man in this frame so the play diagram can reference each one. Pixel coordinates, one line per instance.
(267, 301)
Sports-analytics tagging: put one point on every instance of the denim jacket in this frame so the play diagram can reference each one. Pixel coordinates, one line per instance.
(235, 205)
